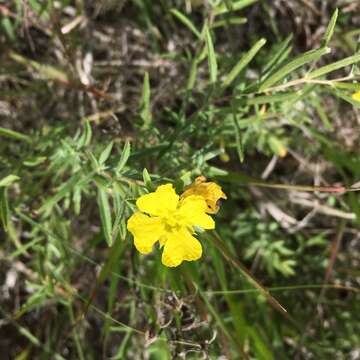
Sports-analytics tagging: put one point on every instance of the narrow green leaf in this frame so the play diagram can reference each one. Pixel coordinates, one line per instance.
(105, 153)
(4, 208)
(93, 162)
(147, 180)
(211, 55)
(185, 21)
(334, 66)
(8, 180)
(292, 65)
(283, 50)
(226, 22)
(259, 100)
(236, 5)
(239, 146)
(8, 26)
(194, 68)
(123, 158)
(11, 134)
(86, 136)
(101, 181)
(77, 200)
(330, 29)
(34, 161)
(145, 110)
(105, 214)
(244, 61)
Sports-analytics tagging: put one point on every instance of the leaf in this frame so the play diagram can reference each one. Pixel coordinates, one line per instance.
(292, 66)
(105, 153)
(8, 180)
(243, 62)
(330, 29)
(8, 26)
(239, 146)
(86, 136)
(124, 157)
(11, 134)
(334, 66)
(211, 56)
(269, 99)
(147, 180)
(145, 110)
(34, 161)
(105, 214)
(282, 52)
(77, 200)
(4, 208)
(236, 5)
(230, 21)
(95, 166)
(182, 18)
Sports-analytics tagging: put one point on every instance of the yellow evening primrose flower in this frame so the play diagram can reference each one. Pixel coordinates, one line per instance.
(210, 191)
(166, 218)
(356, 96)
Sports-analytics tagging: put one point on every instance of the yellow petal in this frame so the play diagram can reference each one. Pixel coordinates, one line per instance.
(356, 96)
(180, 246)
(160, 202)
(146, 231)
(210, 191)
(193, 210)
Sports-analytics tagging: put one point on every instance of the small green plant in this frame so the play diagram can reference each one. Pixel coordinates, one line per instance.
(102, 105)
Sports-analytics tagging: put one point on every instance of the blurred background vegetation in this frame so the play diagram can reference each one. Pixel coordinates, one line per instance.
(101, 101)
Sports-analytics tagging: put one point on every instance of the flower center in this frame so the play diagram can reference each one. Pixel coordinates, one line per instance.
(173, 222)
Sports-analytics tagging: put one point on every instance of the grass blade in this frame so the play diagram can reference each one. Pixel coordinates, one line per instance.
(8, 180)
(15, 135)
(281, 53)
(105, 215)
(239, 145)
(185, 21)
(123, 158)
(4, 208)
(244, 61)
(211, 56)
(236, 5)
(106, 153)
(331, 27)
(334, 66)
(291, 66)
(145, 109)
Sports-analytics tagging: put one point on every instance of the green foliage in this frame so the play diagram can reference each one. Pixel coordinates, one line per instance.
(196, 88)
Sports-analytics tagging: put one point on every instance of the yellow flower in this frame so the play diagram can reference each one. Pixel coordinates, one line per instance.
(356, 96)
(210, 191)
(165, 218)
